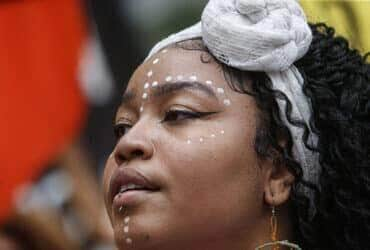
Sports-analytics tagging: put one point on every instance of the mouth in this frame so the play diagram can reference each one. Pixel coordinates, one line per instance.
(128, 183)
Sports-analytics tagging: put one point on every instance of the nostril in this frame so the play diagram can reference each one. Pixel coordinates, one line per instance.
(137, 153)
(120, 158)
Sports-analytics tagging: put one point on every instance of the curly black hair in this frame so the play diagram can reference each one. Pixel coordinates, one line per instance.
(337, 82)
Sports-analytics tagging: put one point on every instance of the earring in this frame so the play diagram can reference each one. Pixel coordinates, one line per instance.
(275, 243)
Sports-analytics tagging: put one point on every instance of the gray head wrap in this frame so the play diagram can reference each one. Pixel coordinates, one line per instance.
(263, 35)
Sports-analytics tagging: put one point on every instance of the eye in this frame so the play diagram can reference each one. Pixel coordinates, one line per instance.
(179, 115)
(121, 129)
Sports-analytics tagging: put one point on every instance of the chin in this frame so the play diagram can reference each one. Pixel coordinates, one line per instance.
(139, 242)
(134, 241)
(141, 232)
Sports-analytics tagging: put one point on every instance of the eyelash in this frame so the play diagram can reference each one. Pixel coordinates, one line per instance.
(117, 129)
(171, 116)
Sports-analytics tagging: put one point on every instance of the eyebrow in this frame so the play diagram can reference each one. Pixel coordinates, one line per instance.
(170, 88)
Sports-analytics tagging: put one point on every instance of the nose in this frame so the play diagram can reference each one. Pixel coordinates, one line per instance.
(135, 144)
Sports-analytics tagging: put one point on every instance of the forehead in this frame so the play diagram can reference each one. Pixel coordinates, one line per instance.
(177, 62)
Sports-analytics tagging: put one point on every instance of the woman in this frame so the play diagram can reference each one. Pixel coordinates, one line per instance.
(248, 130)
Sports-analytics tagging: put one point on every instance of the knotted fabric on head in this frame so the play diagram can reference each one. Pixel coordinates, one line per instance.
(269, 36)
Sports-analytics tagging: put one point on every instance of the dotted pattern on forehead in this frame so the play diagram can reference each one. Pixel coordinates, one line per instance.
(153, 83)
(156, 61)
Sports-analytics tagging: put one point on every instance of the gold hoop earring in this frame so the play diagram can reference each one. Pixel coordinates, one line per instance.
(275, 243)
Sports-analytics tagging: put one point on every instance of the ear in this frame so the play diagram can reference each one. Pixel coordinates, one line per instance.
(278, 183)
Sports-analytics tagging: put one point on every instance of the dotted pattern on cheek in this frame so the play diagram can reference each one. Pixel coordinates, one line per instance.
(169, 78)
(202, 139)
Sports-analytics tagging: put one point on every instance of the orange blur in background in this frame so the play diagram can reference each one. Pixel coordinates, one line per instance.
(41, 105)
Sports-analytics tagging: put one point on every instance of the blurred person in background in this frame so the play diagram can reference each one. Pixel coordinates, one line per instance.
(247, 131)
(53, 74)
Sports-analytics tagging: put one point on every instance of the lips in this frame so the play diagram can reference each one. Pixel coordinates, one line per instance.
(126, 179)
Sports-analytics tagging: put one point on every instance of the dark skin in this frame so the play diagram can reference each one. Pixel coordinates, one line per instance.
(215, 193)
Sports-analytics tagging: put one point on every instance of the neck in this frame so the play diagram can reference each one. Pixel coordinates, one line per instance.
(251, 237)
(256, 234)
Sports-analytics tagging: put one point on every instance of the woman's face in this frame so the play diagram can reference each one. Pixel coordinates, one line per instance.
(186, 140)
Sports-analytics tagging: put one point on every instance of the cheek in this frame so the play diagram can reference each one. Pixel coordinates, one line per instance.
(211, 171)
(208, 181)
(108, 171)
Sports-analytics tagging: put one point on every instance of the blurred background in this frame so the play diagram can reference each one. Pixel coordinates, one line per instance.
(63, 67)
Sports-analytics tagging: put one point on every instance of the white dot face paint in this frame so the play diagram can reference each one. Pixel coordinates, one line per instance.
(156, 61)
(164, 51)
(203, 139)
(193, 78)
(126, 229)
(220, 90)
